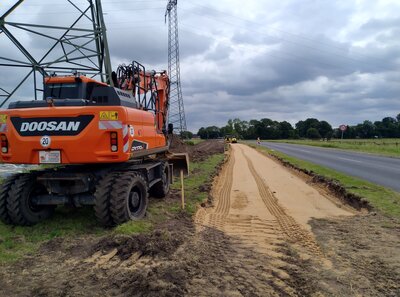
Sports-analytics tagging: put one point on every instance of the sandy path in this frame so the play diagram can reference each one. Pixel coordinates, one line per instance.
(262, 204)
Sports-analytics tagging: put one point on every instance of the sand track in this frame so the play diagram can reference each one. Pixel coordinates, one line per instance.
(249, 210)
(288, 225)
(261, 227)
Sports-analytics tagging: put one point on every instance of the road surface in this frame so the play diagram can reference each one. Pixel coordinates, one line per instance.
(383, 171)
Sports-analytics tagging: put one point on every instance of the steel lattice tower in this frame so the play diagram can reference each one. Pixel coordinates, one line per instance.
(81, 47)
(176, 114)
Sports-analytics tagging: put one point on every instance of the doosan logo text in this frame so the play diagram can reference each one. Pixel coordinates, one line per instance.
(49, 126)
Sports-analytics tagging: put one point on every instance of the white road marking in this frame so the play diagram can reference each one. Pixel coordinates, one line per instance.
(305, 151)
(351, 160)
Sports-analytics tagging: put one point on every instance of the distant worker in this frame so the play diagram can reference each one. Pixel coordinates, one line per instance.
(258, 141)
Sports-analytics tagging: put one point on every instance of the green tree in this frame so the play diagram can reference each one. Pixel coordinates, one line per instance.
(303, 126)
(313, 133)
(211, 132)
(240, 127)
(285, 130)
(186, 135)
(325, 129)
(367, 130)
(202, 133)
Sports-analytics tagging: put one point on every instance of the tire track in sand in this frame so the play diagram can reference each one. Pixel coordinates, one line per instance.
(251, 239)
(222, 192)
(244, 224)
(293, 231)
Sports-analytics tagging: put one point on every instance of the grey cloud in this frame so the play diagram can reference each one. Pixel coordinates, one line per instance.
(220, 52)
(374, 25)
(150, 46)
(293, 60)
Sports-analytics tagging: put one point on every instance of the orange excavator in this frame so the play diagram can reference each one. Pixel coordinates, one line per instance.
(104, 145)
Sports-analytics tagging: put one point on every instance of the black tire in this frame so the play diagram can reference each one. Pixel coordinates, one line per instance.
(19, 202)
(102, 199)
(161, 189)
(4, 193)
(129, 197)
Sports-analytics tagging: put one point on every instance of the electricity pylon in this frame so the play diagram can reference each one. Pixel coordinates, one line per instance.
(80, 47)
(176, 114)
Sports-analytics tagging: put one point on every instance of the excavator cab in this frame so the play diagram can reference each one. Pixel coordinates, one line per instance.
(78, 90)
(69, 87)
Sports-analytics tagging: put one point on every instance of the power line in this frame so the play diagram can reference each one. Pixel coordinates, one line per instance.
(287, 56)
(329, 51)
(352, 60)
(105, 12)
(288, 53)
(85, 2)
(319, 42)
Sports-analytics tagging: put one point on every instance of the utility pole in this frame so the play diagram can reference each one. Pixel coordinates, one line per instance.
(176, 114)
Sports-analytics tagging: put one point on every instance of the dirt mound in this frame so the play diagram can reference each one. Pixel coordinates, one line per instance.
(209, 264)
(204, 149)
(177, 145)
(161, 242)
(199, 151)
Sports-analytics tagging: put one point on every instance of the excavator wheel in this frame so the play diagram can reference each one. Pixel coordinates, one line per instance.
(129, 197)
(4, 193)
(102, 200)
(161, 189)
(20, 207)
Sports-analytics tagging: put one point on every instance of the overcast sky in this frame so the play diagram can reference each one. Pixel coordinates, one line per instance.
(337, 61)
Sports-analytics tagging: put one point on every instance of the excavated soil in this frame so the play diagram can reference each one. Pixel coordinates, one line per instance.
(266, 233)
(202, 150)
(199, 151)
(177, 145)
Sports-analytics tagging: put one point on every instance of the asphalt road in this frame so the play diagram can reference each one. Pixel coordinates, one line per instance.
(383, 171)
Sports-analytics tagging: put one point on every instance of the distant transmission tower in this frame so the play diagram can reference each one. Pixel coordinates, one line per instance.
(80, 47)
(176, 109)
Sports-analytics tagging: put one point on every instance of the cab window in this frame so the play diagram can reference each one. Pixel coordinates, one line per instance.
(62, 91)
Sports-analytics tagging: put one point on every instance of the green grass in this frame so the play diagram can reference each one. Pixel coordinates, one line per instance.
(196, 140)
(380, 198)
(192, 141)
(134, 227)
(16, 242)
(386, 147)
(200, 174)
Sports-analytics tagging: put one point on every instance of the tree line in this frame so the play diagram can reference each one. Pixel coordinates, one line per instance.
(310, 128)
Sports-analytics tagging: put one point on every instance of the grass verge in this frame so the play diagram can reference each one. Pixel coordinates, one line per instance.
(384, 147)
(193, 141)
(200, 178)
(16, 241)
(380, 198)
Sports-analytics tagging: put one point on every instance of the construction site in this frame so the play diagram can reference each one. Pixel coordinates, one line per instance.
(102, 195)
